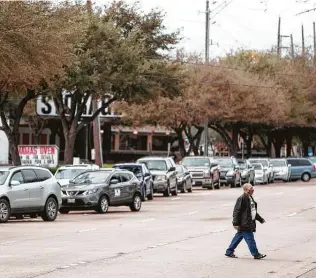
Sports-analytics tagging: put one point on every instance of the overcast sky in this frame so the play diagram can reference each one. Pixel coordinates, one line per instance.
(249, 24)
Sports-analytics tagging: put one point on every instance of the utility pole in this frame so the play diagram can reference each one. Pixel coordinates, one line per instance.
(314, 37)
(279, 37)
(303, 41)
(292, 47)
(96, 122)
(207, 59)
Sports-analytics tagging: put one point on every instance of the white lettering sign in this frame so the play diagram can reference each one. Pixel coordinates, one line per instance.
(46, 107)
(39, 155)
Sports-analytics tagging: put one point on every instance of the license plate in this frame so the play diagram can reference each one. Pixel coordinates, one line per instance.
(71, 201)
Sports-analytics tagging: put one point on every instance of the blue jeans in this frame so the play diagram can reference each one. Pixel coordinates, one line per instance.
(250, 240)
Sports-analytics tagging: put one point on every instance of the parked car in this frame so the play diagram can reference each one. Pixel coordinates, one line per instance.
(229, 171)
(261, 174)
(98, 190)
(204, 171)
(67, 172)
(184, 179)
(267, 165)
(27, 190)
(301, 168)
(163, 173)
(142, 173)
(247, 171)
(282, 171)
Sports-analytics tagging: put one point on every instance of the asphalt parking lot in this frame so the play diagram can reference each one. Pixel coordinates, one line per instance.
(181, 236)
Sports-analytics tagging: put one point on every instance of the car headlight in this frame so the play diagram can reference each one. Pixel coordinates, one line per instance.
(89, 192)
(161, 178)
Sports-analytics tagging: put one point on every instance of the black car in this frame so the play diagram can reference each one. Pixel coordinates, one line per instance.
(142, 173)
(184, 179)
(100, 189)
(229, 171)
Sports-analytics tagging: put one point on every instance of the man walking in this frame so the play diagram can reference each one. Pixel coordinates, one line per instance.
(244, 221)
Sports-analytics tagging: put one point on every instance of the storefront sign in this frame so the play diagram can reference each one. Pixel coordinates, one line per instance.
(46, 107)
(39, 155)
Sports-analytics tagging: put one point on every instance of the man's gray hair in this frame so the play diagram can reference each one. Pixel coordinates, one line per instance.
(246, 186)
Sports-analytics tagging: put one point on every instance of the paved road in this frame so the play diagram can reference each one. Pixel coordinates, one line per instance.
(184, 236)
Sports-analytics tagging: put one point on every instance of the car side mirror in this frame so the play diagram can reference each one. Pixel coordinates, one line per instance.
(172, 169)
(14, 183)
(114, 181)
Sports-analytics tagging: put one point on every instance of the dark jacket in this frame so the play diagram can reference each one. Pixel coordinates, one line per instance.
(242, 214)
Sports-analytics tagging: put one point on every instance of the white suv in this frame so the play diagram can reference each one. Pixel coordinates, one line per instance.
(28, 190)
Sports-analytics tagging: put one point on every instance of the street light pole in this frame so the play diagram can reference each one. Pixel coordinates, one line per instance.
(207, 57)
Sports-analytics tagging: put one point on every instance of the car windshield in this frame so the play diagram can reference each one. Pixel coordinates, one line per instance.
(312, 159)
(263, 162)
(68, 173)
(137, 170)
(3, 176)
(225, 162)
(242, 165)
(190, 161)
(158, 165)
(92, 177)
(179, 169)
(257, 166)
(278, 163)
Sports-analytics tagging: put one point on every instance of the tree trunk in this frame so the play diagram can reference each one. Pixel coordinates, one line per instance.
(277, 146)
(235, 133)
(248, 142)
(223, 133)
(289, 145)
(305, 149)
(13, 149)
(70, 140)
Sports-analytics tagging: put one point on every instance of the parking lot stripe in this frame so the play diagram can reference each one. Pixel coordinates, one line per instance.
(147, 220)
(193, 212)
(292, 214)
(279, 193)
(87, 230)
(177, 198)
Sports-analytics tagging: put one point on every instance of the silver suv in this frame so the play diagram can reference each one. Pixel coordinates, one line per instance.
(163, 171)
(28, 190)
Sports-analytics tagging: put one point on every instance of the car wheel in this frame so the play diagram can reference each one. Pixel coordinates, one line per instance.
(151, 195)
(167, 191)
(5, 210)
(64, 211)
(50, 210)
(184, 187)
(190, 189)
(137, 203)
(306, 177)
(175, 192)
(103, 205)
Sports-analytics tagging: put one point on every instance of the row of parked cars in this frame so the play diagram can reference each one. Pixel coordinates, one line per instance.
(34, 191)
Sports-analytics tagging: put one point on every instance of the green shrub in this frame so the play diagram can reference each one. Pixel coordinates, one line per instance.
(53, 170)
(107, 165)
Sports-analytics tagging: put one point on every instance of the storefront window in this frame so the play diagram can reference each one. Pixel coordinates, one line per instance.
(160, 143)
(132, 142)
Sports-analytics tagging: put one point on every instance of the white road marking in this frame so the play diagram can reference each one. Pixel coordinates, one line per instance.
(279, 193)
(220, 231)
(177, 198)
(292, 214)
(147, 220)
(66, 266)
(227, 205)
(7, 242)
(82, 262)
(87, 230)
(193, 212)
(74, 264)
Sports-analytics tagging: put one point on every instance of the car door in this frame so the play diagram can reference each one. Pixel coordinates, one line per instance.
(147, 178)
(129, 184)
(18, 194)
(35, 188)
(295, 168)
(115, 190)
(172, 174)
(44, 185)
